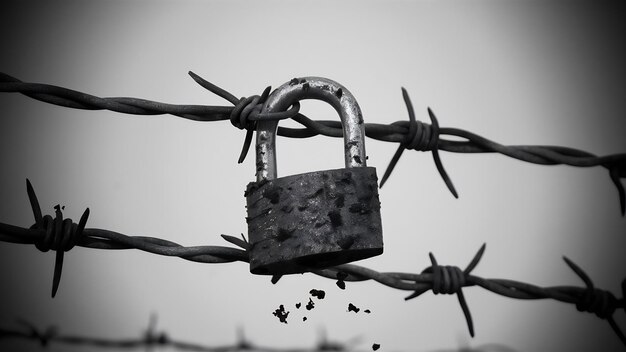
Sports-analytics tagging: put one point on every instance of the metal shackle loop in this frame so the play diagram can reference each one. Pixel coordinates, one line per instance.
(310, 88)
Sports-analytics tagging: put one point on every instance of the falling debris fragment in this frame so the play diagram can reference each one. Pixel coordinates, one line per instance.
(375, 346)
(353, 308)
(310, 305)
(320, 294)
(340, 277)
(367, 311)
(303, 318)
(281, 314)
(298, 305)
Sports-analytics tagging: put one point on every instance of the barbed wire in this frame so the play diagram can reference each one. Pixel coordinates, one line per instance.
(153, 337)
(156, 338)
(412, 134)
(60, 235)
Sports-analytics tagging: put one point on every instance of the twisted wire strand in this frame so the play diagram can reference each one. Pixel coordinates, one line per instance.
(61, 235)
(436, 278)
(412, 134)
(158, 338)
(152, 337)
(448, 281)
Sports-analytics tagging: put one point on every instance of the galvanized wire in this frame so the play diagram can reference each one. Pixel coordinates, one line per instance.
(61, 234)
(412, 134)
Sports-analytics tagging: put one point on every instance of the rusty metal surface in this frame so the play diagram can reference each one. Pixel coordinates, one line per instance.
(315, 220)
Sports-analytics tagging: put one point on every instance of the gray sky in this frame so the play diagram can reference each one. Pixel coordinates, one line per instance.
(517, 72)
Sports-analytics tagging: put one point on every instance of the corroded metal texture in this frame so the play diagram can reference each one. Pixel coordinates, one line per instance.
(314, 220)
(318, 219)
(310, 88)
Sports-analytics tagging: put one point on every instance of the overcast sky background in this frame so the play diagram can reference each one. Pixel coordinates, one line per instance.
(517, 72)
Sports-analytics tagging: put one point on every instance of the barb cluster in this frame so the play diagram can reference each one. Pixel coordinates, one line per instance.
(412, 134)
(451, 280)
(60, 235)
(435, 278)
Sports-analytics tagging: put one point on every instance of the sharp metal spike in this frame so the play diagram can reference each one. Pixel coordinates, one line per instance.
(466, 312)
(476, 259)
(34, 203)
(58, 267)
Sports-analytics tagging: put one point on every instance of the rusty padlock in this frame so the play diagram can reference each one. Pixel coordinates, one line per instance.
(318, 219)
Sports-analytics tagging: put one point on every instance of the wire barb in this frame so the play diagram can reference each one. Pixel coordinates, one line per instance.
(246, 111)
(600, 302)
(44, 337)
(420, 137)
(61, 235)
(451, 280)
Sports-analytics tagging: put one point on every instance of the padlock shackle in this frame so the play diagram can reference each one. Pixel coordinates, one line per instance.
(310, 88)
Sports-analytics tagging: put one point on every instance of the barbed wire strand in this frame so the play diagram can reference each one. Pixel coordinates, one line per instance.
(151, 338)
(412, 134)
(53, 234)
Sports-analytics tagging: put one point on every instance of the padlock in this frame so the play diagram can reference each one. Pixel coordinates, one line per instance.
(319, 219)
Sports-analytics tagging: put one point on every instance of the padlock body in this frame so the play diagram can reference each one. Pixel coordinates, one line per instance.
(314, 220)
